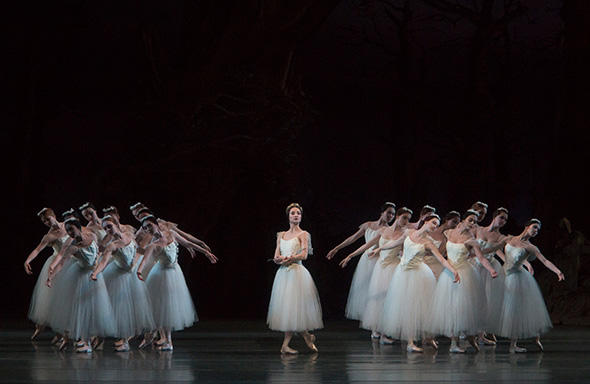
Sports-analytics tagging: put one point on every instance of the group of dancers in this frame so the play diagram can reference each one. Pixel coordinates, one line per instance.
(107, 279)
(413, 282)
(418, 280)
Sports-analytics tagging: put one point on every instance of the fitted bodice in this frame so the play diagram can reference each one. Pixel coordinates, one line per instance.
(58, 243)
(86, 257)
(168, 255)
(483, 244)
(515, 256)
(413, 254)
(389, 256)
(290, 247)
(370, 235)
(457, 254)
(123, 257)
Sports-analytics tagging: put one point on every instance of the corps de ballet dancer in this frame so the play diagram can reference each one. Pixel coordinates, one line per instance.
(172, 305)
(425, 211)
(90, 313)
(294, 301)
(359, 288)
(449, 221)
(459, 308)
(407, 305)
(388, 244)
(129, 296)
(524, 313)
(55, 238)
(88, 212)
(112, 211)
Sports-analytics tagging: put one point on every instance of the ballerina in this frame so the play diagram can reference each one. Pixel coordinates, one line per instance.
(114, 213)
(359, 288)
(389, 241)
(90, 314)
(407, 305)
(172, 304)
(294, 302)
(524, 313)
(456, 308)
(425, 211)
(438, 238)
(88, 211)
(55, 238)
(129, 297)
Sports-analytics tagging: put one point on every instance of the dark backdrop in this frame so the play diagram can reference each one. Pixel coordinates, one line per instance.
(217, 114)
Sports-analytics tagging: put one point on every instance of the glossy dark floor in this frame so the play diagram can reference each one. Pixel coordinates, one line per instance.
(246, 352)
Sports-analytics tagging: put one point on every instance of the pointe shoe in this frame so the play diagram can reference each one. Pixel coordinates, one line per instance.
(85, 349)
(122, 348)
(99, 346)
(413, 348)
(166, 347)
(145, 343)
(311, 343)
(63, 344)
(493, 337)
(516, 349)
(160, 342)
(432, 343)
(472, 342)
(485, 341)
(288, 351)
(538, 342)
(375, 335)
(56, 339)
(119, 342)
(79, 344)
(455, 349)
(384, 340)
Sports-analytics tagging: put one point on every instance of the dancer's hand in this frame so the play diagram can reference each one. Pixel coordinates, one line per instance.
(494, 274)
(457, 278)
(28, 268)
(560, 276)
(373, 253)
(212, 257)
(278, 260)
(139, 276)
(344, 261)
(529, 268)
(331, 254)
(48, 282)
(93, 276)
(286, 260)
(192, 253)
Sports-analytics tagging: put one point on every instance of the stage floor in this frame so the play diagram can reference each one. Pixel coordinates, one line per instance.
(246, 352)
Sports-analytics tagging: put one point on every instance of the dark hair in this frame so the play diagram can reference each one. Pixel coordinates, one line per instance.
(150, 218)
(450, 215)
(403, 210)
(293, 205)
(428, 218)
(427, 208)
(479, 204)
(499, 211)
(86, 205)
(387, 205)
(73, 221)
(112, 209)
(532, 221)
(470, 212)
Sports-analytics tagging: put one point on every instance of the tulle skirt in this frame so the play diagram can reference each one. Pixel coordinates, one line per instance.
(172, 305)
(91, 313)
(359, 288)
(380, 280)
(407, 305)
(458, 307)
(62, 294)
(41, 299)
(524, 313)
(435, 266)
(132, 308)
(294, 302)
(494, 292)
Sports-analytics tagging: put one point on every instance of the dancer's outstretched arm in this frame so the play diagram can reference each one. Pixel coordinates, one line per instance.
(349, 240)
(359, 251)
(445, 263)
(477, 250)
(547, 263)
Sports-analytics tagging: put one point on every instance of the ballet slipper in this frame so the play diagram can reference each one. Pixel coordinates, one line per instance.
(119, 342)
(375, 335)
(122, 348)
(493, 337)
(63, 344)
(84, 349)
(516, 349)
(288, 351)
(472, 342)
(456, 349)
(384, 340)
(166, 347)
(432, 343)
(56, 339)
(412, 348)
(485, 341)
(99, 345)
(538, 342)
(310, 341)
(36, 333)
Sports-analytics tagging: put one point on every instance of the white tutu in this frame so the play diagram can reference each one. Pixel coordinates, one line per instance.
(171, 300)
(41, 299)
(294, 302)
(380, 280)
(458, 307)
(129, 296)
(407, 306)
(435, 266)
(524, 313)
(494, 293)
(62, 294)
(359, 288)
